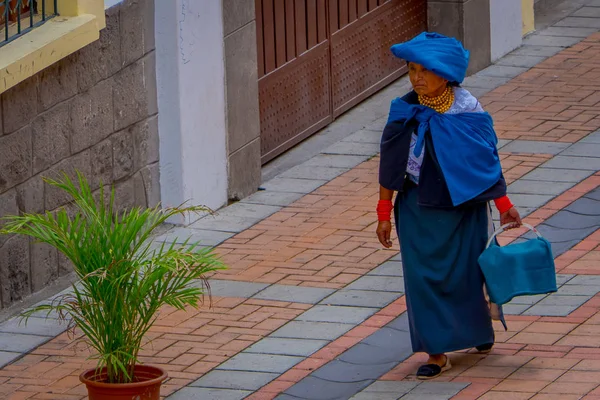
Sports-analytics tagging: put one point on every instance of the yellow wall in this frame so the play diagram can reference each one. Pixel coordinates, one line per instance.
(80, 7)
(78, 25)
(528, 16)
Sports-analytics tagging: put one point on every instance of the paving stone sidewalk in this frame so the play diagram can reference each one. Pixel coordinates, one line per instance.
(312, 307)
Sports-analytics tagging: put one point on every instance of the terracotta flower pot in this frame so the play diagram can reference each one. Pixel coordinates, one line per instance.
(146, 385)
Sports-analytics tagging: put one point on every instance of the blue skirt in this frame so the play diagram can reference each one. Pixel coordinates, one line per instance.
(446, 305)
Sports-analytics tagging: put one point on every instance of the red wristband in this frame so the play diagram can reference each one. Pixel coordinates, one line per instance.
(503, 204)
(384, 210)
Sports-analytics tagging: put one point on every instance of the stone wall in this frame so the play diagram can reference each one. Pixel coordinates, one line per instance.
(469, 22)
(95, 111)
(241, 78)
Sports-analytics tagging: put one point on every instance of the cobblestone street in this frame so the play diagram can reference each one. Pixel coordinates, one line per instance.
(312, 306)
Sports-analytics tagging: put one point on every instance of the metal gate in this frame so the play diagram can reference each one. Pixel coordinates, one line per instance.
(318, 58)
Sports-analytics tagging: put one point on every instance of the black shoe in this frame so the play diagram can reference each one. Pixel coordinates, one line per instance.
(485, 348)
(430, 371)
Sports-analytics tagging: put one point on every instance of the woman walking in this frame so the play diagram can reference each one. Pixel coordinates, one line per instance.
(438, 151)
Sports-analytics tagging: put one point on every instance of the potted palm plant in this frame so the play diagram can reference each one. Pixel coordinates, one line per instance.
(124, 280)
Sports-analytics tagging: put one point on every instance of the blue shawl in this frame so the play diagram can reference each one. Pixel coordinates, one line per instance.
(465, 145)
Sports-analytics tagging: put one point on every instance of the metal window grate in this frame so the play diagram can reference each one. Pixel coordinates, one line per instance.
(17, 17)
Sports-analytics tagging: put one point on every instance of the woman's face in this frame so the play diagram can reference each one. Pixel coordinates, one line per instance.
(425, 82)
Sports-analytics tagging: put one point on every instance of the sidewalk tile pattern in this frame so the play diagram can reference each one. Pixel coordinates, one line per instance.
(555, 100)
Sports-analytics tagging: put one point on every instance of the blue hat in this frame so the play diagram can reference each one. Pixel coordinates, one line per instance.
(440, 54)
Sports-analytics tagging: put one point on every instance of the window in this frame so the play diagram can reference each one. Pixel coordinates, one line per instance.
(18, 17)
(35, 34)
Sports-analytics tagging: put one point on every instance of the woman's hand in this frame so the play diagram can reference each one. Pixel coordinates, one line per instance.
(384, 232)
(512, 217)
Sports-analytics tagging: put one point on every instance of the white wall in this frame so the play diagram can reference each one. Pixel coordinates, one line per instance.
(506, 26)
(191, 102)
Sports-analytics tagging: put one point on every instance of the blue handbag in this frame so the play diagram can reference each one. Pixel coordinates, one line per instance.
(518, 269)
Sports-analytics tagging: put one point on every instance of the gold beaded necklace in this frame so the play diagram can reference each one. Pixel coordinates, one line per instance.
(441, 103)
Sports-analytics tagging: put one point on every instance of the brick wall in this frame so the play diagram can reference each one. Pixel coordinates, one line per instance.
(95, 111)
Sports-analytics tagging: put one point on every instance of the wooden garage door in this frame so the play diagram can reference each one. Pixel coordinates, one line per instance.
(318, 58)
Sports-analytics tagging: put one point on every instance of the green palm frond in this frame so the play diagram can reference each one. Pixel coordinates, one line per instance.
(123, 280)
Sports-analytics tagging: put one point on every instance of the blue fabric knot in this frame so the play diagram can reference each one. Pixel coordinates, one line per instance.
(423, 116)
(423, 127)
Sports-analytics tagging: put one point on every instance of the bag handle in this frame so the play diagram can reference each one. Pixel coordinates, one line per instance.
(503, 227)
